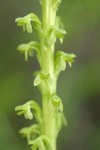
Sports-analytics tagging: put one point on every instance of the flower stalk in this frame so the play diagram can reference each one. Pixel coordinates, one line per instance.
(49, 117)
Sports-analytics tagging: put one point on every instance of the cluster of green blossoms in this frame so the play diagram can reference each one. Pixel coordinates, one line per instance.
(49, 118)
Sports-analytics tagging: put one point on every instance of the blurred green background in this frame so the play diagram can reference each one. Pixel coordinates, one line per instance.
(79, 87)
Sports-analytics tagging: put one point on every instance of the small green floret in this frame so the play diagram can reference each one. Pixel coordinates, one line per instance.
(56, 102)
(42, 76)
(25, 110)
(29, 22)
(60, 61)
(30, 132)
(28, 109)
(28, 49)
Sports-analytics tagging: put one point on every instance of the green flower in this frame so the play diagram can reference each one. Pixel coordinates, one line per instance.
(30, 132)
(25, 110)
(61, 59)
(28, 109)
(28, 22)
(28, 49)
(56, 102)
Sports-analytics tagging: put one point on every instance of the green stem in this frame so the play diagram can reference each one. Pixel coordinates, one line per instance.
(45, 13)
(49, 128)
(47, 65)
